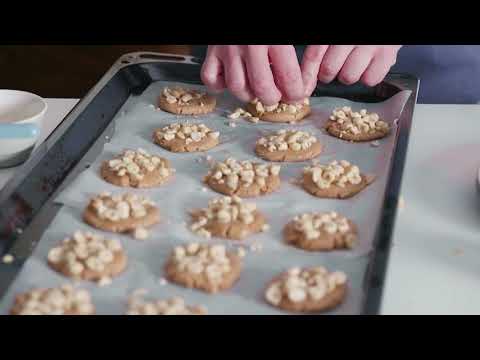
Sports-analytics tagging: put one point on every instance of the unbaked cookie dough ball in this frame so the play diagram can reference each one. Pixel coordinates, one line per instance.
(339, 180)
(288, 145)
(321, 231)
(243, 178)
(183, 101)
(186, 137)
(312, 289)
(279, 113)
(137, 169)
(209, 268)
(228, 217)
(350, 125)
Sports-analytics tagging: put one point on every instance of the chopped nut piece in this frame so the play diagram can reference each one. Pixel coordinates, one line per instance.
(8, 259)
(140, 233)
(241, 252)
(104, 281)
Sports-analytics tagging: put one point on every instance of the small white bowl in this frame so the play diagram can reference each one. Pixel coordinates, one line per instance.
(19, 107)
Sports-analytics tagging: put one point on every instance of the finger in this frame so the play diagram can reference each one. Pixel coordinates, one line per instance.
(236, 78)
(287, 73)
(312, 58)
(333, 61)
(212, 73)
(355, 65)
(378, 69)
(260, 75)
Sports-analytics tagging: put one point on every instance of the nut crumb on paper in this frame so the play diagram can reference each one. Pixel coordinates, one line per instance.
(141, 233)
(104, 281)
(241, 252)
(256, 247)
(458, 252)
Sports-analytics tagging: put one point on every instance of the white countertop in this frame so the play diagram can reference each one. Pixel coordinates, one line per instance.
(434, 265)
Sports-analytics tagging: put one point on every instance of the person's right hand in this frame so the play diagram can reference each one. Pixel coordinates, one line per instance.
(268, 72)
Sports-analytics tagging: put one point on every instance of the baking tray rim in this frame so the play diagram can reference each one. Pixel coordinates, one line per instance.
(375, 275)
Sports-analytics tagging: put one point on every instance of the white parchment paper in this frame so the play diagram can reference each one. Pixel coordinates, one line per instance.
(135, 123)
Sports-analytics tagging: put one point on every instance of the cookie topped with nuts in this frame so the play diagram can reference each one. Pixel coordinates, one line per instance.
(351, 125)
(312, 289)
(228, 217)
(210, 268)
(64, 300)
(186, 137)
(321, 231)
(136, 168)
(172, 306)
(288, 145)
(120, 213)
(182, 101)
(88, 256)
(243, 178)
(280, 112)
(336, 180)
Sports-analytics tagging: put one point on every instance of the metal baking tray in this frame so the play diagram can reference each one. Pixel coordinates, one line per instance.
(26, 202)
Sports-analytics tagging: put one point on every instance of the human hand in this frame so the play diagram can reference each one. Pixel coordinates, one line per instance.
(268, 72)
(349, 63)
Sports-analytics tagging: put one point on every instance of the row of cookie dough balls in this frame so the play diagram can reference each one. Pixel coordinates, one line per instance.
(343, 123)
(140, 169)
(69, 300)
(211, 268)
(227, 217)
(205, 267)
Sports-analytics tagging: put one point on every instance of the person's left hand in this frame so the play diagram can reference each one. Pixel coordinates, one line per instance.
(349, 63)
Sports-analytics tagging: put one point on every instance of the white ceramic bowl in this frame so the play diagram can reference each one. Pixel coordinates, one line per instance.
(19, 107)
